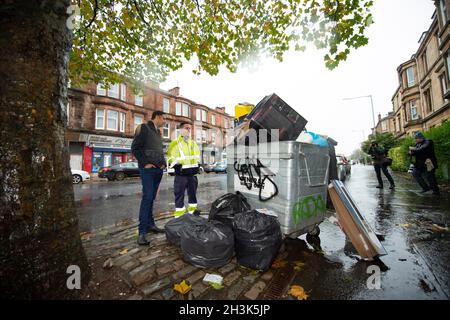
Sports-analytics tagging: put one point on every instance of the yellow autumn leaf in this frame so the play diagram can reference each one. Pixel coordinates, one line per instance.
(298, 292)
(405, 225)
(298, 265)
(279, 263)
(182, 287)
(124, 251)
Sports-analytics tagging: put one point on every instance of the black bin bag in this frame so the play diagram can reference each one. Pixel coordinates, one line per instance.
(257, 239)
(174, 227)
(227, 206)
(207, 245)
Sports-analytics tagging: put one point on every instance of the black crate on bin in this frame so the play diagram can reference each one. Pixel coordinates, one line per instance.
(273, 113)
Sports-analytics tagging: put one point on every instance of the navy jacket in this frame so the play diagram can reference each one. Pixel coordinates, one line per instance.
(147, 146)
(423, 151)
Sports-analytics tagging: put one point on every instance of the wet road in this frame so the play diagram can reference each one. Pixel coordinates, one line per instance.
(416, 266)
(101, 204)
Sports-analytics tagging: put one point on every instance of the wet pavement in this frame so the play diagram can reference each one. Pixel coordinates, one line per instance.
(106, 203)
(414, 227)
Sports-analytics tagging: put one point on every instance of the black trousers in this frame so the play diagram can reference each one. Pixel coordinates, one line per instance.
(429, 175)
(378, 169)
(181, 184)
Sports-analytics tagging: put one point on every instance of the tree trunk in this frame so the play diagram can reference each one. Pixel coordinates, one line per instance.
(39, 237)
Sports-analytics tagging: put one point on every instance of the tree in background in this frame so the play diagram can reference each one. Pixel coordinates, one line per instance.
(385, 140)
(112, 41)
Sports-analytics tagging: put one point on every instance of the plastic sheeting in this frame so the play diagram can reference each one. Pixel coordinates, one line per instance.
(174, 227)
(207, 245)
(227, 206)
(258, 238)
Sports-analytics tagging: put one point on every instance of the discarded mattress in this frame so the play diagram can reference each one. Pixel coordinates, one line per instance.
(353, 223)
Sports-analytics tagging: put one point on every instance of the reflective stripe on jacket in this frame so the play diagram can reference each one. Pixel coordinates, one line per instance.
(187, 154)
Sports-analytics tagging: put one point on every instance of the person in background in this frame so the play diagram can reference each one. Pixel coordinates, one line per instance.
(425, 164)
(147, 147)
(378, 154)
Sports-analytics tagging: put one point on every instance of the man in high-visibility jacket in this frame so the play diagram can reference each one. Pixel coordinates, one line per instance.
(183, 157)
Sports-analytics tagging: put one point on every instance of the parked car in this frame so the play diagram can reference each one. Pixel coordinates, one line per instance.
(120, 171)
(341, 168)
(221, 167)
(79, 176)
(209, 167)
(347, 164)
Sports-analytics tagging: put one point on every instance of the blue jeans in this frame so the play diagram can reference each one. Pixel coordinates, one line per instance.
(150, 178)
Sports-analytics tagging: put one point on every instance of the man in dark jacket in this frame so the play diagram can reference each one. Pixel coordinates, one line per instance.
(147, 147)
(378, 154)
(426, 163)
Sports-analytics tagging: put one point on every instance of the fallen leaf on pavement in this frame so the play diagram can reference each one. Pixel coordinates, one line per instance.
(182, 287)
(405, 225)
(124, 251)
(298, 292)
(108, 264)
(279, 263)
(216, 286)
(298, 265)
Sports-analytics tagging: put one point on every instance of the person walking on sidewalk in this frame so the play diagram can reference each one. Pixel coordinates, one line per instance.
(426, 163)
(147, 148)
(183, 157)
(378, 155)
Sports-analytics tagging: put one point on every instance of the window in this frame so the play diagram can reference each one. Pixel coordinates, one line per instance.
(198, 116)
(443, 9)
(413, 107)
(425, 61)
(410, 77)
(68, 112)
(231, 123)
(112, 120)
(185, 110)
(203, 135)
(198, 136)
(100, 119)
(101, 90)
(113, 91)
(139, 99)
(213, 137)
(166, 105)
(213, 120)
(178, 109)
(428, 102)
(225, 123)
(204, 119)
(137, 121)
(122, 122)
(166, 130)
(383, 126)
(448, 64)
(443, 81)
(123, 92)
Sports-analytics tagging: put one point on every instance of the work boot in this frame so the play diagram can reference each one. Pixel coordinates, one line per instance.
(142, 240)
(196, 213)
(155, 229)
(392, 186)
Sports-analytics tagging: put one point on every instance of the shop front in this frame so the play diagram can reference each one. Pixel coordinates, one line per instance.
(105, 151)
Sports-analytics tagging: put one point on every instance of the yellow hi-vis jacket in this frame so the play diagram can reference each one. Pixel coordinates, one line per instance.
(187, 154)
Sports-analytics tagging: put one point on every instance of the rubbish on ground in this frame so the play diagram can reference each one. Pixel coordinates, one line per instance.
(224, 208)
(353, 223)
(313, 138)
(268, 212)
(258, 238)
(214, 280)
(298, 292)
(209, 244)
(183, 287)
(124, 251)
(279, 263)
(298, 265)
(108, 264)
(174, 227)
(405, 225)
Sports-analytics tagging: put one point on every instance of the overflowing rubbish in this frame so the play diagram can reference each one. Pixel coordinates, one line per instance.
(258, 238)
(214, 280)
(173, 227)
(209, 244)
(353, 223)
(272, 113)
(313, 138)
(227, 206)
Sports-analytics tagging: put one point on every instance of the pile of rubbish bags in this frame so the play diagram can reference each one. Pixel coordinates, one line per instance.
(232, 228)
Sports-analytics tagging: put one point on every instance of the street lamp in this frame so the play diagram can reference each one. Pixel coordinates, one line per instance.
(371, 102)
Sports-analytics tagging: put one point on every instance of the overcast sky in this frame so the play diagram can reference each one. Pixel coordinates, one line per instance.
(317, 93)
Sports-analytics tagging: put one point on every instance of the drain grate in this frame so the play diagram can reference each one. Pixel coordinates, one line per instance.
(279, 284)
